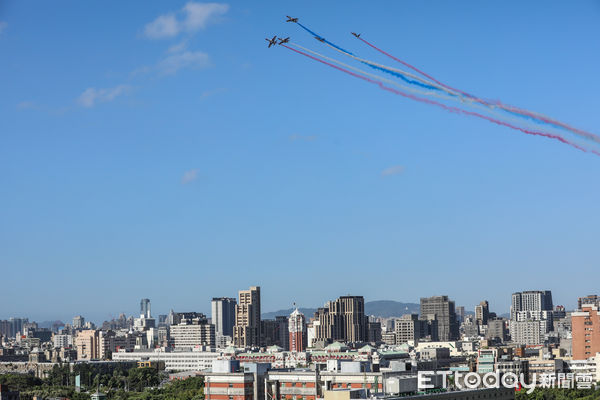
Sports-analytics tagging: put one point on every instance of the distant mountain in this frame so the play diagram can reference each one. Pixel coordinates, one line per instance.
(390, 308)
(378, 308)
(308, 312)
(51, 324)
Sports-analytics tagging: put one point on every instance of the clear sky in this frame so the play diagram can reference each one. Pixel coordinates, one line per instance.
(159, 149)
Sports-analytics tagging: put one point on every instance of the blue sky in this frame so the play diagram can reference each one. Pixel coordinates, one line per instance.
(159, 149)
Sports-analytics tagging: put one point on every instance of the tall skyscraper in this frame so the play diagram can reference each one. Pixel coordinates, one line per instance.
(145, 308)
(6, 328)
(441, 309)
(532, 300)
(275, 332)
(223, 315)
(343, 319)
(297, 331)
(12, 326)
(482, 312)
(247, 332)
(460, 314)
(586, 332)
(530, 316)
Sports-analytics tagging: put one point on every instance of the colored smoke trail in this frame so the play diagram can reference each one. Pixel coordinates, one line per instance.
(441, 105)
(398, 74)
(364, 73)
(510, 109)
(388, 69)
(411, 89)
(316, 35)
(416, 69)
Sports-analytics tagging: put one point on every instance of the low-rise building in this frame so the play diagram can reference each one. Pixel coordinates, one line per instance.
(194, 360)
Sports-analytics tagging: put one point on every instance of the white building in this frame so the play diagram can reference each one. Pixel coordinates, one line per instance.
(195, 360)
(191, 335)
(589, 366)
(62, 341)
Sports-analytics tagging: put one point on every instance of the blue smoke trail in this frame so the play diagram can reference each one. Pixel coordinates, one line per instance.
(394, 73)
(425, 86)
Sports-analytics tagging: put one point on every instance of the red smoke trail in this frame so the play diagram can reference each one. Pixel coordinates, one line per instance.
(417, 70)
(517, 110)
(447, 108)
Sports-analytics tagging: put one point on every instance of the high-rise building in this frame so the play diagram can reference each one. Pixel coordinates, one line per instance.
(530, 327)
(297, 331)
(17, 325)
(460, 314)
(592, 299)
(145, 308)
(532, 300)
(275, 332)
(496, 329)
(78, 322)
(586, 332)
(441, 309)
(410, 328)
(145, 320)
(193, 333)
(62, 340)
(343, 319)
(530, 316)
(374, 332)
(223, 315)
(6, 328)
(162, 319)
(247, 329)
(482, 312)
(87, 342)
(470, 328)
(177, 318)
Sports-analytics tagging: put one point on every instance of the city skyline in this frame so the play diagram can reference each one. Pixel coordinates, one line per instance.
(207, 308)
(182, 164)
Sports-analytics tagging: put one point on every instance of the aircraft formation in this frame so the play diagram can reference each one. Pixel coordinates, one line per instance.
(273, 41)
(421, 87)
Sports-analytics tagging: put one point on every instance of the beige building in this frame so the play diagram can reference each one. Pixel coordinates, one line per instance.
(93, 344)
(247, 332)
(87, 343)
(410, 328)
